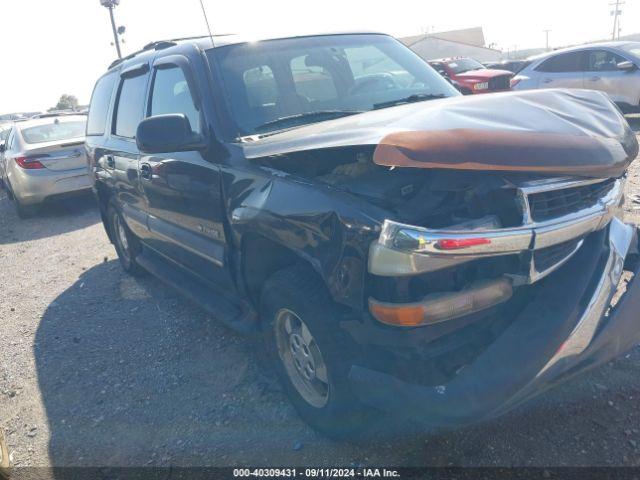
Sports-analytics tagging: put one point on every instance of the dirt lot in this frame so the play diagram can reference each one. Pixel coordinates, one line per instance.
(97, 368)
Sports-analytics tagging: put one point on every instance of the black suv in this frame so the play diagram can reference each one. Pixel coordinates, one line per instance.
(400, 247)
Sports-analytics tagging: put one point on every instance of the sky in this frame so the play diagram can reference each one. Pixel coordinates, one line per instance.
(53, 47)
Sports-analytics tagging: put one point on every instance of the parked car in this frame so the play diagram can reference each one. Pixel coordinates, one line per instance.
(609, 67)
(44, 159)
(5, 129)
(473, 77)
(400, 247)
(511, 65)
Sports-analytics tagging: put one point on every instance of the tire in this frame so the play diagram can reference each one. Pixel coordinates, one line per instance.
(24, 211)
(5, 459)
(127, 245)
(325, 401)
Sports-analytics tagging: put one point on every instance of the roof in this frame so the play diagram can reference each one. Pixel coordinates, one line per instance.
(580, 47)
(34, 122)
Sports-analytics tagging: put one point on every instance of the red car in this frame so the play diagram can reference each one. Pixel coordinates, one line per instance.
(471, 77)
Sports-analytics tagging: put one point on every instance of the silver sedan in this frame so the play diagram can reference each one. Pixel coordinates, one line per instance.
(43, 159)
(611, 67)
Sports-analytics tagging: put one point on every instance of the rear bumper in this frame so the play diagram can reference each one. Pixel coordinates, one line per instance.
(35, 186)
(565, 329)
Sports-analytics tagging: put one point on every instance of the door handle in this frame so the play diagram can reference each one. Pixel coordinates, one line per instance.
(594, 79)
(111, 162)
(547, 80)
(145, 171)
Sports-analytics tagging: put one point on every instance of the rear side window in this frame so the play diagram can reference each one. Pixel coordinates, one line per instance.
(563, 63)
(99, 108)
(130, 107)
(171, 94)
(54, 132)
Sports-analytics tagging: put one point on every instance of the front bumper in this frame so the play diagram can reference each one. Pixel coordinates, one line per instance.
(566, 328)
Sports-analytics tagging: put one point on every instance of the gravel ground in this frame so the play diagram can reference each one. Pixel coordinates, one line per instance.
(100, 369)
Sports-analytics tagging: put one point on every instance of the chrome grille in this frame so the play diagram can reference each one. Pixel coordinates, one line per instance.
(549, 257)
(551, 204)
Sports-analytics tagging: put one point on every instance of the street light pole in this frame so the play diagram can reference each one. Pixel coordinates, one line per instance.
(115, 32)
(547, 32)
(111, 4)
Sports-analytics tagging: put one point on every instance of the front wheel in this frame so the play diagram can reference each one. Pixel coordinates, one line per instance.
(127, 244)
(311, 353)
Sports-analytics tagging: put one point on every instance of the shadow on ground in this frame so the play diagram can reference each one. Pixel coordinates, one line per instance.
(53, 218)
(131, 374)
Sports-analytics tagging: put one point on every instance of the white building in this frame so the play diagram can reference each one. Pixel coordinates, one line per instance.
(468, 42)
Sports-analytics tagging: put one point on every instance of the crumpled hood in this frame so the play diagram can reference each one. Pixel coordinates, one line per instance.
(564, 132)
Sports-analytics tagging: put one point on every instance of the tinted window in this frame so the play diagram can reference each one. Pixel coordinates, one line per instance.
(566, 62)
(603, 61)
(171, 95)
(99, 108)
(4, 134)
(130, 106)
(54, 132)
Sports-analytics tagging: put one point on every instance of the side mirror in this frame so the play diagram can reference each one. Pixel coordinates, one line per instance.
(627, 66)
(167, 133)
(3, 147)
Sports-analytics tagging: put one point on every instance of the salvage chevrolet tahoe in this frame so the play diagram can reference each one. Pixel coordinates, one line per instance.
(400, 247)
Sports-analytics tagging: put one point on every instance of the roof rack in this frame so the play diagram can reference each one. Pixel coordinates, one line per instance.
(162, 44)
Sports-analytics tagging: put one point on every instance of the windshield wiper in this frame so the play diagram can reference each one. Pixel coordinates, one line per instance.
(418, 97)
(316, 116)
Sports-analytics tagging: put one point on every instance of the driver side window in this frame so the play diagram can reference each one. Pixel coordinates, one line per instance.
(171, 94)
(603, 61)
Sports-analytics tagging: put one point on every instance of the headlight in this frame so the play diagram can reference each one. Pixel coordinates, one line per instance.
(481, 86)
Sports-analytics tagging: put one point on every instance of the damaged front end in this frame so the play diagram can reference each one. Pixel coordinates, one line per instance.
(557, 215)
(499, 247)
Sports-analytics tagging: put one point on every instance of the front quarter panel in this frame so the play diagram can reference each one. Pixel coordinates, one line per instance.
(328, 230)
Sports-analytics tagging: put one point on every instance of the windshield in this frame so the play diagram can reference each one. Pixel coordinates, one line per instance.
(275, 84)
(464, 65)
(54, 132)
(633, 49)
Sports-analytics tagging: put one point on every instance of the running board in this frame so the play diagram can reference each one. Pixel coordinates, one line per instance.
(240, 317)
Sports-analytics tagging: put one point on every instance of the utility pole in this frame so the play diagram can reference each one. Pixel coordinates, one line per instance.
(111, 4)
(616, 13)
(547, 33)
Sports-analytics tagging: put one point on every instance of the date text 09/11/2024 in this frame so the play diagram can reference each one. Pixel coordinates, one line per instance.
(316, 472)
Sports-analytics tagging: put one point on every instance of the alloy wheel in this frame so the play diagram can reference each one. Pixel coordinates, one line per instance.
(302, 358)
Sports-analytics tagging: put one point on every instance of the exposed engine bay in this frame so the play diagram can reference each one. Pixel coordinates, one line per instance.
(430, 198)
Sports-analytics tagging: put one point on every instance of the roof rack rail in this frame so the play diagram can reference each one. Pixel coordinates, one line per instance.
(162, 44)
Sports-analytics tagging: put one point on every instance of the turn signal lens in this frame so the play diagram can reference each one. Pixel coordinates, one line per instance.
(28, 163)
(460, 244)
(440, 307)
(399, 315)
